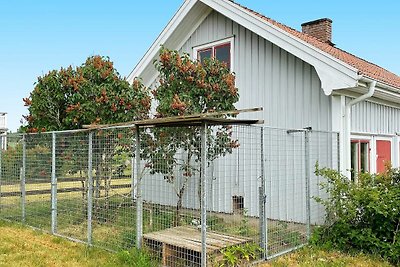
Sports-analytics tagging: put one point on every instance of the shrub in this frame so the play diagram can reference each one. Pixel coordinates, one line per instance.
(135, 257)
(240, 255)
(362, 216)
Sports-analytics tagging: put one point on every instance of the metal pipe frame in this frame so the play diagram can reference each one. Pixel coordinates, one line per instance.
(53, 187)
(90, 190)
(139, 199)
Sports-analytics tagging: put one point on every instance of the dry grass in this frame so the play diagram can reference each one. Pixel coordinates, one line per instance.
(20, 246)
(313, 257)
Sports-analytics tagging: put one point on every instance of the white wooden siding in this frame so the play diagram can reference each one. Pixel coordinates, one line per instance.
(374, 122)
(290, 92)
(286, 87)
(368, 117)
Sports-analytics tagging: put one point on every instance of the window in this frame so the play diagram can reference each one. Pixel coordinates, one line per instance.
(359, 157)
(220, 50)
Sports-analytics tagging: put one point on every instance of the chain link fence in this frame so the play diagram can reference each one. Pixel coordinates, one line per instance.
(192, 196)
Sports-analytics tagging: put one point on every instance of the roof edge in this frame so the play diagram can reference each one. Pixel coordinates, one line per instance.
(170, 27)
(333, 73)
(324, 63)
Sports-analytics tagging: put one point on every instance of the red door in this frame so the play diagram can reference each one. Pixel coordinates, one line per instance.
(384, 154)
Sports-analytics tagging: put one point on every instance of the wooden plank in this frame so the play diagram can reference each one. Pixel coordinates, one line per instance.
(180, 119)
(190, 238)
(175, 241)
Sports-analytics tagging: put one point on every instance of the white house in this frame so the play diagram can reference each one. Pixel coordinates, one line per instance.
(3, 126)
(300, 78)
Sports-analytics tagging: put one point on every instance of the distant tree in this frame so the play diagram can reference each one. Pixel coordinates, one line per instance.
(189, 87)
(93, 93)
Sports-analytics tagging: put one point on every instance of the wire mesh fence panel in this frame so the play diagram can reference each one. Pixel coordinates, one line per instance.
(71, 164)
(10, 173)
(324, 153)
(169, 182)
(286, 189)
(234, 177)
(176, 191)
(36, 177)
(113, 219)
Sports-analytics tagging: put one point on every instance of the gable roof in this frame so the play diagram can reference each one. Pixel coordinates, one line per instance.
(336, 68)
(364, 67)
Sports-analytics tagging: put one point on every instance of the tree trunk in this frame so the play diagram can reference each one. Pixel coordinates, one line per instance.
(178, 208)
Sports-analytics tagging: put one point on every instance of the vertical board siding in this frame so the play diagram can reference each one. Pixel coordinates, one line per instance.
(290, 93)
(368, 117)
(267, 76)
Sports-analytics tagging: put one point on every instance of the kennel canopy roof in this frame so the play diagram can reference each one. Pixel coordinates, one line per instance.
(212, 118)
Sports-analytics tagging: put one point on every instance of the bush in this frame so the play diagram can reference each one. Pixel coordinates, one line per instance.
(135, 257)
(362, 216)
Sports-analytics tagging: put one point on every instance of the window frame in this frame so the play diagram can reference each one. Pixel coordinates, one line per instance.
(359, 141)
(215, 44)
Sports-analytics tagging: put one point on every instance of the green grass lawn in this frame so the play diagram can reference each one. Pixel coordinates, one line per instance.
(314, 257)
(22, 246)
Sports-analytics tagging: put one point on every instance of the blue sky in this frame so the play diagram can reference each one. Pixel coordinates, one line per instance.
(38, 36)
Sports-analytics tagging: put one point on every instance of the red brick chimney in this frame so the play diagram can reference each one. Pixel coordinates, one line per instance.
(320, 29)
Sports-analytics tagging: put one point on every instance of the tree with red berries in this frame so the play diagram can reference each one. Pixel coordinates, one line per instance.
(189, 87)
(93, 93)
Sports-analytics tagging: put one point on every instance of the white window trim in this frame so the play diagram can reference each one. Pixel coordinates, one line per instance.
(230, 40)
(372, 143)
(373, 137)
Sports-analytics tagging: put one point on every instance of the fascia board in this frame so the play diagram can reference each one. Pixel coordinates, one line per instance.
(343, 75)
(175, 41)
(381, 96)
(168, 30)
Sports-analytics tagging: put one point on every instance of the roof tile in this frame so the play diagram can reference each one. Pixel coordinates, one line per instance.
(364, 67)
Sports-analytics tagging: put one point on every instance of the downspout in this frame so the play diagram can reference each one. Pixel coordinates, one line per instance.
(347, 128)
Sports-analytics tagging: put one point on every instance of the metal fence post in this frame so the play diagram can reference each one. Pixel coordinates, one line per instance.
(53, 186)
(203, 193)
(90, 190)
(139, 199)
(1, 168)
(263, 199)
(133, 169)
(133, 183)
(22, 177)
(307, 177)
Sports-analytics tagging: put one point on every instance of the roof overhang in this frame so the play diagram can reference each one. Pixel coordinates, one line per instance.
(384, 94)
(333, 73)
(185, 21)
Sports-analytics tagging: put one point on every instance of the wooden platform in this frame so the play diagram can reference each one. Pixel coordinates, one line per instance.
(188, 238)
